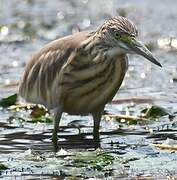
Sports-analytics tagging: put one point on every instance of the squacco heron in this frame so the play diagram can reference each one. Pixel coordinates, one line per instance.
(80, 73)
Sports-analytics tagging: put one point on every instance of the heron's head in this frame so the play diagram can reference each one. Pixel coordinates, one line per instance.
(123, 33)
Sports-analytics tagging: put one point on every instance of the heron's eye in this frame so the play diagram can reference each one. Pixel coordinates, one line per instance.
(117, 35)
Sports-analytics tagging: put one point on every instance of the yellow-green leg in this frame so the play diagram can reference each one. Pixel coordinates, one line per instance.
(57, 117)
(96, 134)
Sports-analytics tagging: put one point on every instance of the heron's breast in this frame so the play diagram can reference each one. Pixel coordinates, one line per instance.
(88, 91)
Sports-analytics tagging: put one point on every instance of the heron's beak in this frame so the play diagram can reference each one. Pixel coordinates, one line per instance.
(139, 48)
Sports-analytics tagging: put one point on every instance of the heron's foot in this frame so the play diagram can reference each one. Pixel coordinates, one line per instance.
(97, 144)
(97, 140)
(55, 140)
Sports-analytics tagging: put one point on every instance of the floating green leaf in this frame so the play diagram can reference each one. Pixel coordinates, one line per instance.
(42, 119)
(34, 113)
(38, 111)
(3, 167)
(8, 101)
(155, 111)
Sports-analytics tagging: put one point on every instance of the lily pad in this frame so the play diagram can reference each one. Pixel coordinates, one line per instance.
(95, 160)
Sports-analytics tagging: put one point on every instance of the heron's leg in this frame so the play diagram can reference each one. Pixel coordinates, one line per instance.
(96, 120)
(57, 117)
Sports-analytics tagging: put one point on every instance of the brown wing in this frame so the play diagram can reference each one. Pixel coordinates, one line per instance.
(45, 66)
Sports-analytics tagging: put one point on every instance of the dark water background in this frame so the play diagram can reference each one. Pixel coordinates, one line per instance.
(27, 25)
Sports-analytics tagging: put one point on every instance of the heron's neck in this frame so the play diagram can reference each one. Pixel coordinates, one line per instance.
(115, 52)
(99, 48)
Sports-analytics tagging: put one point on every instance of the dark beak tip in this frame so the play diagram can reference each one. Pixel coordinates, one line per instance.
(160, 65)
(156, 62)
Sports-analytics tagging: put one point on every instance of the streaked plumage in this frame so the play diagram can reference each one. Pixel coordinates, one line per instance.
(79, 73)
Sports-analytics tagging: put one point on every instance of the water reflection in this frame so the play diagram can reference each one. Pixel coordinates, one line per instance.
(26, 26)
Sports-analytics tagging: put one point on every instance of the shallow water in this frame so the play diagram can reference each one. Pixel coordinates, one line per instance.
(25, 26)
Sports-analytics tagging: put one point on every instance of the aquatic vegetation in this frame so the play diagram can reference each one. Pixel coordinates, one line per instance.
(8, 101)
(139, 128)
